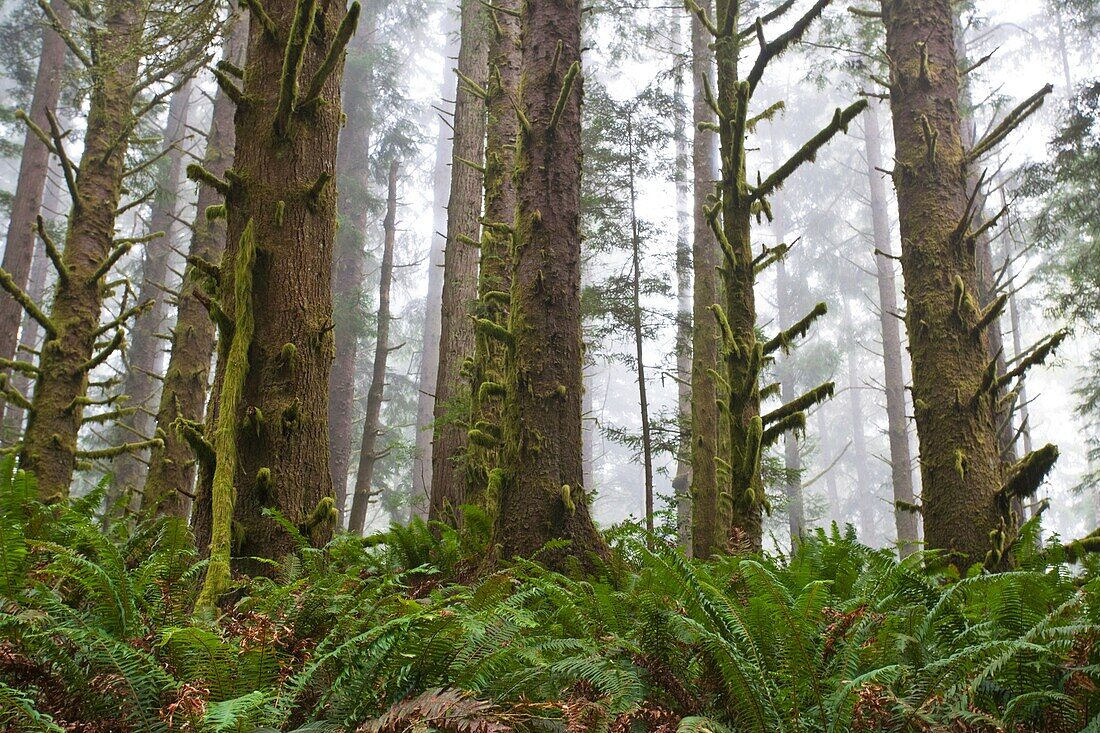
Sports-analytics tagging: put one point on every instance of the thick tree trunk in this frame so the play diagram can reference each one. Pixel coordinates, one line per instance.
(144, 351)
(456, 342)
(706, 536)
(353, 173)
(681, 482)
(69, 353)
(429, 350)
(368, 455)
(542, 497)
(495, 276)
(33, 167)
(959, 456)
(171, 477)
(901, 462)
(282, 203)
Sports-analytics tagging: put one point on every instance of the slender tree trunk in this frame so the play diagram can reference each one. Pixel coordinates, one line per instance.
(639, 333)
(681, 482)
(901, 462)
(959, 456)
(541, 496)
(271, 441)
(69, 354)
(429, 351)
(460, 270)
(864, 491)
(368, 455)
(788, 389)
(33, 168)
(495, 277)
(353, 170)
(171, 476)
(144, 351)
(706, 537)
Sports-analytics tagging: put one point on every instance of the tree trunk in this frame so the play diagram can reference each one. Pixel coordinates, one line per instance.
(282, 204)
(901, 462)
(460, 270)
(495, 277)
(171, 477)
(542, 497)
(864, 491)
(33, 168)
(639, 337)
(70, 351)
(960, 463)
(788, 390)
(681, 482)
(144, 351)
(353, 171)
(429, 350)
(368, 456)
(706, 538)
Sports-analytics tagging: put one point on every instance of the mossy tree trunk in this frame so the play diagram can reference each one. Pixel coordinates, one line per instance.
(142, 381)
(29, 187)
(966, 491)
(901, 462)
(495, 267)
(280, 199)
(170, 480)
(353, 174)
(541, 493)
(72, 349)
(368, 454)
(460, 271)
(706, 538)
(429, 349)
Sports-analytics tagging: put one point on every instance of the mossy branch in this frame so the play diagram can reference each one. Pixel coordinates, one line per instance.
(227, 85)
(769, 257)
(769, 17)
(27, 303)
(13, 395)
(563, 96)
(192, 433)
(126, 315)
(800, 404)
(773, 49)
(1014, 119)
(472, 86)
(1025, 478)
(206, 267)
(317, 190)
(103, 418)
(52, 251)
(699, 12)
(230, 68)
(1034, 357)
(784, 339)
(198, 174)
(105, 353)
(493, 330)
(791, 423)
(62, 30)
(23, 367)
(808, 152)
(990, 314)
(344, 32)
(118, 450)
(300, 30)
(259, 14)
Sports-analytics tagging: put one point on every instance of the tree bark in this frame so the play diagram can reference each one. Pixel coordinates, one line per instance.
(433, 302)
(33, 168)
(681, 482)
(541, 495)
(70, 352)
(706, 538)
(456, 342)
(142, 378)
(788, 390)
(368, 455)
(960, 463)
(281, 203)
(353, 171)
(171, 476)
(901, 462)
(495, 276)
(865, 495)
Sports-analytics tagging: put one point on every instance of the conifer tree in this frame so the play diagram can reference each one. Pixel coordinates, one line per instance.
(541, 494)
(128, 54)
(966, 491)
(171, 477)
(270, 437)
(460, 270)
(742, 356)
